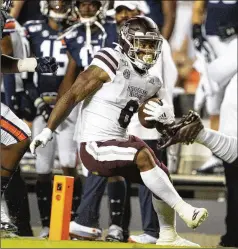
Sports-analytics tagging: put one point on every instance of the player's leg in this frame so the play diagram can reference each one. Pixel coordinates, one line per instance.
(230, 239)
(44, 164)
(228, 125)
(150, 223)
(126, 219)
(116, 190)
(86, 222)
(221, 72)
(213, 104)
(18, 204)
(67, 150)
(154, 175)
(14, 143)
(17, 201)
(166, 200)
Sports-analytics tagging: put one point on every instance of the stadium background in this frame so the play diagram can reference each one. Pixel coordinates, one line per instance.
(201, 190)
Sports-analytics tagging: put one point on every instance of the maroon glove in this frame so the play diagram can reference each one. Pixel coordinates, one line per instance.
(185, 131)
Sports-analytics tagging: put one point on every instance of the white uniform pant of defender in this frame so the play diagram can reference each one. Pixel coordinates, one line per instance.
(6, 137)
(228, 115)
(63, 141)
(226, 52)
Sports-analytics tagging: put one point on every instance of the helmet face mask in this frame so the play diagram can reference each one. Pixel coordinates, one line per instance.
(91, 10)
(141, 41)
(58, 10)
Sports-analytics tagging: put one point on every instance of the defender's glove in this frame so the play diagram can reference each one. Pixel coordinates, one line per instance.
(201, 43)
(46, 65)
(160, 113)
(43, 109)
(42, 139)
(185, 131)
(225, 32)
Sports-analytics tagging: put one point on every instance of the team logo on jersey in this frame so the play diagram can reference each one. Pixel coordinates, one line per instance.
(124, 63)
(136, 92)
(35, 28)
(152, 81)
(45, 33)
(71, 35)
(80, 39)
(126, 74)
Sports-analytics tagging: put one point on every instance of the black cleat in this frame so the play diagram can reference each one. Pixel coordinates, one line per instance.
(115, 234)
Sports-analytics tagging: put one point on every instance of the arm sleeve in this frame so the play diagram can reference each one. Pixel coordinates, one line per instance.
(223, 146)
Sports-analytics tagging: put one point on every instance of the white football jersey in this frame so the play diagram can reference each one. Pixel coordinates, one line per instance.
(107, 114)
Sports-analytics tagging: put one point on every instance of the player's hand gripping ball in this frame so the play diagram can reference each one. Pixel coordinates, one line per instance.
(154, 113)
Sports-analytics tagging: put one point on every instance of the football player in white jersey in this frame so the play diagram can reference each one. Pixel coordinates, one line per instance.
(165, 69)
(218, 43)
(113, 87)
(14, 132)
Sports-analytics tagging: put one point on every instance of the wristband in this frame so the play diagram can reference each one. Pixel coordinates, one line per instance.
(27, 65)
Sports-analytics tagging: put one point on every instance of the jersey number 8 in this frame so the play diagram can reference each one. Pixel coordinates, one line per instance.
(127, 113)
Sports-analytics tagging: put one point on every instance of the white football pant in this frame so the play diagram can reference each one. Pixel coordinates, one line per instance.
(63, 140)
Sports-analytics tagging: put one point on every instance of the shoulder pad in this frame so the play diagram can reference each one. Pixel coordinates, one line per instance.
(10, 26)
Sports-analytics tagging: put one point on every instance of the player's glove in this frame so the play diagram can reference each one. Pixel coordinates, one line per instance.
(42, 139)
(161, 113)
(43, 109)
(46, 65)
(185, 131)
(225, 32)
(201, 43)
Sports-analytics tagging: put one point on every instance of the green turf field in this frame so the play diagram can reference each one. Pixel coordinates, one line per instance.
(36, 243)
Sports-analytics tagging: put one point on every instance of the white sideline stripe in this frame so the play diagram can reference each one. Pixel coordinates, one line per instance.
(110, 153)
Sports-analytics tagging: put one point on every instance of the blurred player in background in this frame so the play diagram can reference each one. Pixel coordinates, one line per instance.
(14, 132)
(164, 14)
(15, 44)
(219, 81)
(83, 40)
(106, 147)
(42, 35)
(214, 32)
(25, 10)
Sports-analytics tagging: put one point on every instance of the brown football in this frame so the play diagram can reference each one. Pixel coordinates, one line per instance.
(147, 124)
